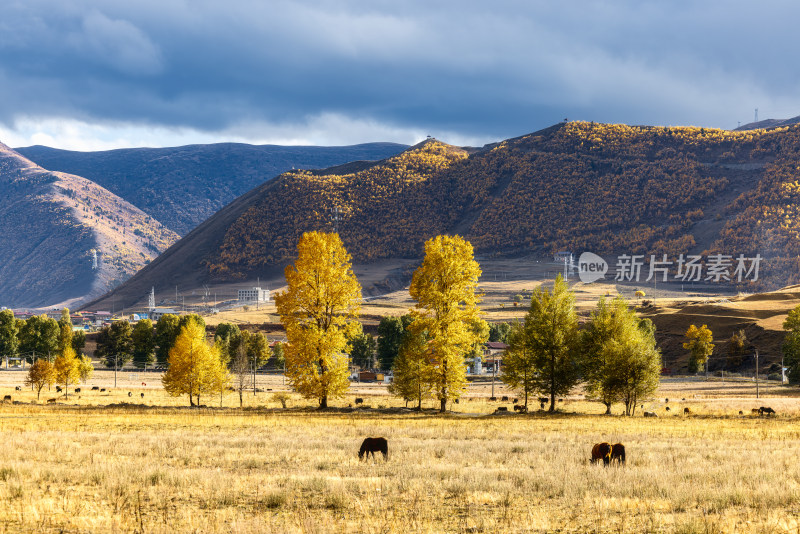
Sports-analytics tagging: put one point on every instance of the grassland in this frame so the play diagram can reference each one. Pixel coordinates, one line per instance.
(109, 462)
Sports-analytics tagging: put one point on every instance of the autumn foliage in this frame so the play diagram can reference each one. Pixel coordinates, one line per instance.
(575, 186)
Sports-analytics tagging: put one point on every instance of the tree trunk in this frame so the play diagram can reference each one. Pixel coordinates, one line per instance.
(323, 402)
(552, 384)
(608, 408)
(241, 401)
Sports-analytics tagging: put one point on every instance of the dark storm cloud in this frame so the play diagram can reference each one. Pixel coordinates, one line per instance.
(475, 68)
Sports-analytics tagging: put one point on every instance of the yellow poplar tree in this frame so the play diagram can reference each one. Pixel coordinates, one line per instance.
(40, 374)
(700, 344)
(195, 367)
(67, 368)
(319, 311)
(445, 288)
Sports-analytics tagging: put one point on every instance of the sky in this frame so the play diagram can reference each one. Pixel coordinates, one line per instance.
(102, 74)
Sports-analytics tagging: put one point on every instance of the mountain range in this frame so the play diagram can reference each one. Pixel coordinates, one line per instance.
(575, 186)
(182, 186)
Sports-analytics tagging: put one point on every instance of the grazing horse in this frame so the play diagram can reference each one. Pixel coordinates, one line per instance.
(601, 450)
(766, 410)
(618, 453)
(373, 445)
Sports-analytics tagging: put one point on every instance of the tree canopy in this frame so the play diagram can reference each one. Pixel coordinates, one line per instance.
(445, 287)
(549, 337)
(319, 311)
(195, 368)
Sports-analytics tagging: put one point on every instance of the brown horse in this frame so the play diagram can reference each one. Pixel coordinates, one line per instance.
(618, 453)
(373, 445)
(601, 450)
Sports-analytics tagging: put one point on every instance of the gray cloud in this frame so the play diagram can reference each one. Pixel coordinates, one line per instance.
(474, 69)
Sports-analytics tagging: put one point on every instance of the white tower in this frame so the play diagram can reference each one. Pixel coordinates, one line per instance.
(94, 259)
(151, 300)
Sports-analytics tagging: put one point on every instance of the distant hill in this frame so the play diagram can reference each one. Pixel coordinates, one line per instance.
(769, 123)
(183, 186)
(611, 189)
(53, 223)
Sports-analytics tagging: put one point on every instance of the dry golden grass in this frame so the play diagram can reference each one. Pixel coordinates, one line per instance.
(168, 468)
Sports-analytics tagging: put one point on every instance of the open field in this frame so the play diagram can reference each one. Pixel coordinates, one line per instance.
(155, 465)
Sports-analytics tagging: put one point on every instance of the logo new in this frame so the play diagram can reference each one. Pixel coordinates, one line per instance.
(591, 267)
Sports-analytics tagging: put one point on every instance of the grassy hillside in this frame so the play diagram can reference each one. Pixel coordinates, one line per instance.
(53, 221)
(182, 186)
(611, 189)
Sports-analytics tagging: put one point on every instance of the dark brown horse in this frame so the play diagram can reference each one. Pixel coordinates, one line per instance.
(618, 453)
(373, 445)
(601, 450)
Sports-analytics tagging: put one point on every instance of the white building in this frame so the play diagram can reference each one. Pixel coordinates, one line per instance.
(254, 295)
(157, 313)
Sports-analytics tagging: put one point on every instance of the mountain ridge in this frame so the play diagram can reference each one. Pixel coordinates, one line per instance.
(606, 188)
(182, 186)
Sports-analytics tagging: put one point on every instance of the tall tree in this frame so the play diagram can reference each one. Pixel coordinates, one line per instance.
(499, 332)
(411, 380)
(737, 346)
(319, 310)
(79, 341)
(195, 368)
(64, 330)
(280, 355)
(85, 368)
(362, 350)
(519, 369)
(445, 288)
(700, 344)
(791, 345)
(241, 368)
(67, 369)
(550, 335)
(228, 338)
(167, 330)
(143, 343)
(621, 362)
(600, 370)
(641, 362)
(38, 338)
(390, 337)
(9, 340)
(256, 348)
(40, 374)
(115, 346)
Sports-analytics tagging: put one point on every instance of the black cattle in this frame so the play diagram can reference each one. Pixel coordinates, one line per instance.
(618, 453)
(601, 451)
(373, 445)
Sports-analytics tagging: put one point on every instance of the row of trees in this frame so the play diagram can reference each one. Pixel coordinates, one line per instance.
(39, 336)
(321, 305)
(615, 355)
(57, 361)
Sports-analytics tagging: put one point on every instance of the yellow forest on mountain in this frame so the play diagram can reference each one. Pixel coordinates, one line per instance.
(574, 186)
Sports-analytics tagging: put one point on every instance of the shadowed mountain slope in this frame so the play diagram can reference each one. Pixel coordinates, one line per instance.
(54, 224)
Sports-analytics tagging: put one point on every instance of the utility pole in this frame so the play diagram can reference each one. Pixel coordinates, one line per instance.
(494, 369)
(756, 373)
